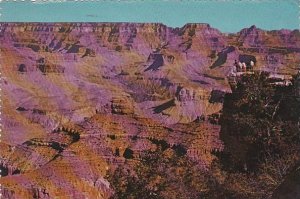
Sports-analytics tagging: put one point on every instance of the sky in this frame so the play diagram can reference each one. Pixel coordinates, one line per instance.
(226, 15)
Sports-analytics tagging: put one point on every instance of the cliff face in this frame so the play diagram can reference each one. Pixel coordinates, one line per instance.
(78, 95)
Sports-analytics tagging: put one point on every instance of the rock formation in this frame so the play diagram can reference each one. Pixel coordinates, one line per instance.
(80, 98)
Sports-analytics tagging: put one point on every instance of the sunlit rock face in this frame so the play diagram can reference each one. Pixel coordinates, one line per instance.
(79, 98)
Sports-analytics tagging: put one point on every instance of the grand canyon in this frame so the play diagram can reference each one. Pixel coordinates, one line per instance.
(82, 102)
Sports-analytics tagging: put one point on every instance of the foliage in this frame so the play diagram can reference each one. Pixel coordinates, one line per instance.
(258, 121)
(159, 174)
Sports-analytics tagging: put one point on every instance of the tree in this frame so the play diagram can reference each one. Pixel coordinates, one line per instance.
(258, 120)
(159, 174)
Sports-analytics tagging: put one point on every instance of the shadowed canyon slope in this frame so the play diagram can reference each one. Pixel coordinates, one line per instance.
(79, 98)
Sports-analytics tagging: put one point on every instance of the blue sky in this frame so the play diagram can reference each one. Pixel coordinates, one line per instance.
(226, 15)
